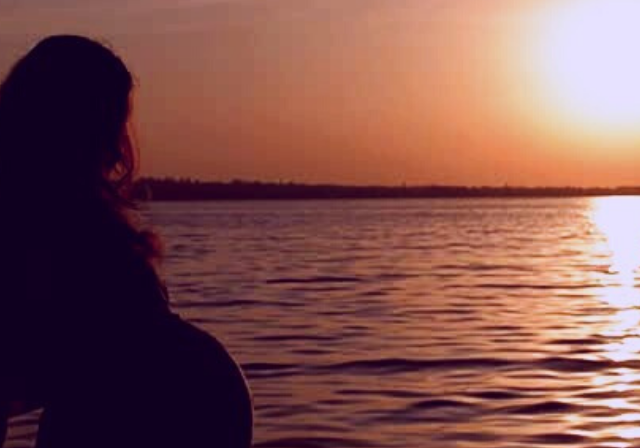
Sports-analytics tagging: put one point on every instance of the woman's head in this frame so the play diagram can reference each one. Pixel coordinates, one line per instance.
(66, 156)
(64, 112)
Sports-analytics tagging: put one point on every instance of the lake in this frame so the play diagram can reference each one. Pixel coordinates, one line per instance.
(483, 323)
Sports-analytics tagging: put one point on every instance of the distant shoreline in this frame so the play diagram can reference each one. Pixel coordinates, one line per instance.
(169, 189)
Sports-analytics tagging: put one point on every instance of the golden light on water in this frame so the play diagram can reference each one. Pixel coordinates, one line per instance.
(589, 64)
(629, 433)
(616, 253)
(625, 350)
(617, 220)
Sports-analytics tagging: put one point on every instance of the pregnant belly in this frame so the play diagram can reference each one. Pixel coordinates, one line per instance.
(172, 386)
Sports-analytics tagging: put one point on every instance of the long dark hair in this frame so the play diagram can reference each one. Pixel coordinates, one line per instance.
(65, 136)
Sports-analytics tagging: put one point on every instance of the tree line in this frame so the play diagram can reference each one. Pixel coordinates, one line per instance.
(180, 189)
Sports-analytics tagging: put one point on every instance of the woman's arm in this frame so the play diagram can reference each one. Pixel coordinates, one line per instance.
(14, 409)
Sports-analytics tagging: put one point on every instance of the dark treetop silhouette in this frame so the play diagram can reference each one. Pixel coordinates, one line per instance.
(169, 189)
(86, 331)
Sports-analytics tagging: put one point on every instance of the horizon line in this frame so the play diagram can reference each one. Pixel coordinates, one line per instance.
(401, 185)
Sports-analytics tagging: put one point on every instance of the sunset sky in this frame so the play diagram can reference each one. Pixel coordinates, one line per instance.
(482, 92)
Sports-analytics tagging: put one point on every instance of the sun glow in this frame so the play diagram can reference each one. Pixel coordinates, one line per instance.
(589, 58)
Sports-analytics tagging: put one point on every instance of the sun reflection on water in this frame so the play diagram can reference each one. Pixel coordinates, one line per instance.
(617, 225)
(616, 256)
(618, 221)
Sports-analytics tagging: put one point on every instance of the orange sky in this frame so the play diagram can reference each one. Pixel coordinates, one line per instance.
(351, 91)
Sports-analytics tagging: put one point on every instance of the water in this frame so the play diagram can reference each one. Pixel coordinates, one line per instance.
(429, 323)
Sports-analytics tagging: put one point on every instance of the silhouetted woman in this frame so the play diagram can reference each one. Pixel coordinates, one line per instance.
(85, 327)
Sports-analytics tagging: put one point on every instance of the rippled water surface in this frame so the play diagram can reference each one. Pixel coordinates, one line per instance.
(427, 323)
